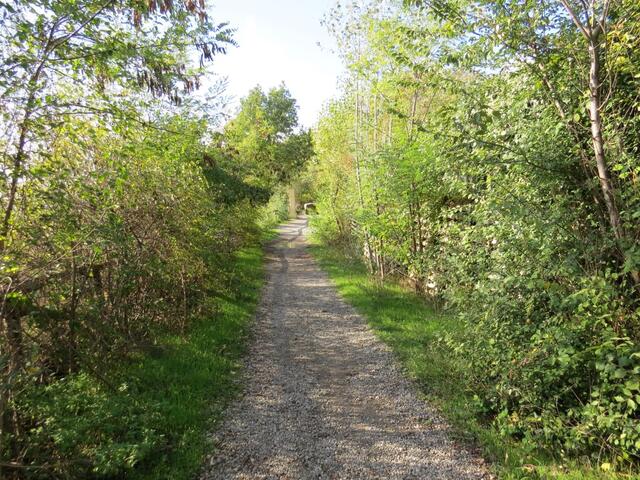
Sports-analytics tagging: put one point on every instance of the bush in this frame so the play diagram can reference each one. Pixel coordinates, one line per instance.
(79, 428)
(571, 383)
(276, 211)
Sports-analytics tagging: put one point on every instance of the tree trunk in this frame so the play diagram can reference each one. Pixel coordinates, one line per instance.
(593, 30)
(367, 246)
(604, 176)
(595, 103)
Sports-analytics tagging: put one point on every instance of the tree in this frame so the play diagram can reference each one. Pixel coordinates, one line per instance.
(75, 58)
(263, 138)
(535, 36)
(91, 47)
(108, 63)
(497, 157)
(594, 27)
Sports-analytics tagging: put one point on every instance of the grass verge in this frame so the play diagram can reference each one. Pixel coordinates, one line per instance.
(411, 326)
(148, 416)
(191, 381)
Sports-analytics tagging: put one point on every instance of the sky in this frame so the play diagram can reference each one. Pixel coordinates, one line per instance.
(280, 41)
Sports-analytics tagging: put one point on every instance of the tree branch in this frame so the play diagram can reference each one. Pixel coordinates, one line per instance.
(576, 19)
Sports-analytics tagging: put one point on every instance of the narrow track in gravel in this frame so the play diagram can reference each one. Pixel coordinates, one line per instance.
(324, 398)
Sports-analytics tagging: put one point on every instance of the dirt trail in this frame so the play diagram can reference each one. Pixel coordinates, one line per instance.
(324, 398)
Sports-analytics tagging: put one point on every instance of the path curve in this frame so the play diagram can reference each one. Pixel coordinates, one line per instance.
(324, 398)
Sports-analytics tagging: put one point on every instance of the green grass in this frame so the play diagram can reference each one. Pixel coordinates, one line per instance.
(411, 326)
(192, 379)
(148, 417)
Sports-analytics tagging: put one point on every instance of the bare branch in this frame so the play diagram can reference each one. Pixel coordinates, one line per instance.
(602, 21)
(574, 16)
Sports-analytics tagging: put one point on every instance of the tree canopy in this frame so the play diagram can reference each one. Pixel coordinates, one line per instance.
(124, 209)
(264, 139)
(487, 151)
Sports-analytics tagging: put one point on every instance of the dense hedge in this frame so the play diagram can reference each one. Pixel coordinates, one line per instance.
(464, 164)
(125, 208)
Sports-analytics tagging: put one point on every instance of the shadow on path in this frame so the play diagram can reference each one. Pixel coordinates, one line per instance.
(324, 398)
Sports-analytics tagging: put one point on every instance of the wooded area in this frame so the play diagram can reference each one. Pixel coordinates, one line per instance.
(485, 153)
(488, 153)
(124, 207)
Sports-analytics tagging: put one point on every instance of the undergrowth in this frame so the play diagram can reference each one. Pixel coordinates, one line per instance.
(414, 328)
(150, 418)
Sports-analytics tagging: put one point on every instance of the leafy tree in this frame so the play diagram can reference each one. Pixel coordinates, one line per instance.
(263, 140)
(117, 226)
(69, 58)
(474, 151)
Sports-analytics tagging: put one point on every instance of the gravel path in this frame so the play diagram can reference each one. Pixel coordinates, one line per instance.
(324, 398)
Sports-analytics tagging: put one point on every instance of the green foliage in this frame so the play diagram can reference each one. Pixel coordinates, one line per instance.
(124, 209)
(150, 417)
(83, 429)
(276, 211)
(262, 139)
(414, 329)
(460, 158)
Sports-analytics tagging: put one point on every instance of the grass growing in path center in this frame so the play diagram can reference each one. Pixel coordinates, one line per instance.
(411, 327)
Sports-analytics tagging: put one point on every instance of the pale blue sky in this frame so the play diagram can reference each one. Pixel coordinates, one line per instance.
(278, 41)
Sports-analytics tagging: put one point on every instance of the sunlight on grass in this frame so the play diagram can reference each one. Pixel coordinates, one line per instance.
(191, 381)
(412, 327)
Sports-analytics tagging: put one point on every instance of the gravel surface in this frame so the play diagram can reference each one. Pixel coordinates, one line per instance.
(324, 398)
